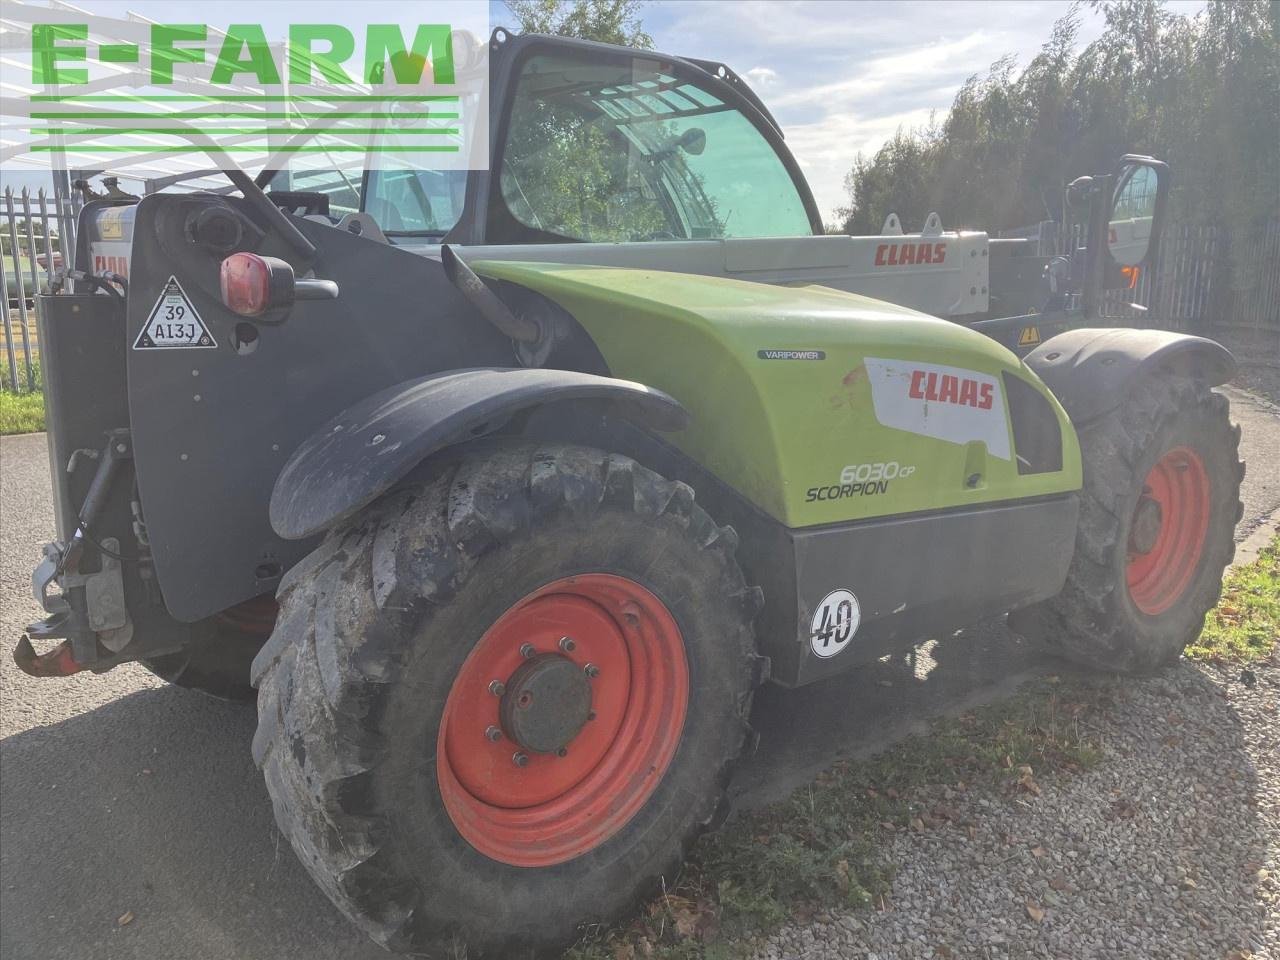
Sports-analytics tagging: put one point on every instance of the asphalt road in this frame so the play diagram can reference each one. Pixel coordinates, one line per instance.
(121, 795)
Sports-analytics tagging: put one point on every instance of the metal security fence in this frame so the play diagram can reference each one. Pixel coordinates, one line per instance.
(1209, 280)
(36, 240)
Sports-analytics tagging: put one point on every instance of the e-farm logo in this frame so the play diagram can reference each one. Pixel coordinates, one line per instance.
(244, 50)
(113, 92)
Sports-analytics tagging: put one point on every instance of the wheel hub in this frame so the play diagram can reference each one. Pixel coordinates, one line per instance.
(562, 719)
(1168, 530)
(1145, 530)
(546, 703)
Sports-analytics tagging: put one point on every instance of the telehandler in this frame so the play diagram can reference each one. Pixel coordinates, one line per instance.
(424, 475)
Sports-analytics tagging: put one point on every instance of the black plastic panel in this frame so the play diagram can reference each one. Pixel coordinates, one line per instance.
(366, 449)
(1037, 435)
(83, 364)
(1091, 371)
(213, 427)
(918, 575)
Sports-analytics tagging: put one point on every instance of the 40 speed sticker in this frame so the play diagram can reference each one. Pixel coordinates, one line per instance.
(834, 623)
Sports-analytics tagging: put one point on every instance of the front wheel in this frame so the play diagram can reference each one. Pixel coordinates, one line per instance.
(503, 702)
(1158, 512)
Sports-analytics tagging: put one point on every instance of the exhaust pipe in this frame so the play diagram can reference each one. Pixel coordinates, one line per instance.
(485, 300)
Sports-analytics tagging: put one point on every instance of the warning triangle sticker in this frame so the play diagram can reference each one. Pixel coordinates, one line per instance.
(173, 323)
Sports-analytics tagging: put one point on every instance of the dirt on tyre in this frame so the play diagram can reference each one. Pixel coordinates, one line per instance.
(1158, 511)
(504, 700)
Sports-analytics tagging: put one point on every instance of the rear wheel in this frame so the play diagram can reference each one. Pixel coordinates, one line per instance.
(504, 701)
(1158, 512)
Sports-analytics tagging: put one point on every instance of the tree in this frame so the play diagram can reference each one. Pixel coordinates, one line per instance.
(606, 21)
(1202, 93)
(566, 170)
(37, 231)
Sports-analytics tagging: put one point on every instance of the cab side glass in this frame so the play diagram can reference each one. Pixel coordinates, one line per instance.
(1133, 210)
(612, 152)
(413, 203)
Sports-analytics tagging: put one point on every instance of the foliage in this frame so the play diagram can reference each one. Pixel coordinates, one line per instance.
(37, 376)
(606, 21)
(21, 412)
(567, 171)
(1201, 93)
(37, 231)
(1245, 625)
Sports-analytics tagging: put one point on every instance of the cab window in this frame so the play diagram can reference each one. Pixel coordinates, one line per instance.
(602, 152)
(415, 203)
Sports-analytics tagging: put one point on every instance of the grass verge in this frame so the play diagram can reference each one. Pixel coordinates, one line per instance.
(1246, 623)
(21, 412)
(819, 848)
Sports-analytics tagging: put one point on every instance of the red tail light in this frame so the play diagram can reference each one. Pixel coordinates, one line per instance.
(252, 285)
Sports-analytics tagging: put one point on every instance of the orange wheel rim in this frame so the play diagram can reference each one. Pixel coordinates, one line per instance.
(531, 773)
(1168, 531)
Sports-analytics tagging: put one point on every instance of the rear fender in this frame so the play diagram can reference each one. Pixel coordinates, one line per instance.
(1091, 371)
(360, 454)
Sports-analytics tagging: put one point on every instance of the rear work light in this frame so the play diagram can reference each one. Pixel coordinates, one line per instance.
(253, 285)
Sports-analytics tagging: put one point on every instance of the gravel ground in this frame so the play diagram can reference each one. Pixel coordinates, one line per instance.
(1169, 848)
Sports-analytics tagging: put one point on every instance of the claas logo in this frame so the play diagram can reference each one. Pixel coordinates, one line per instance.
(901, 254)
(945, 388)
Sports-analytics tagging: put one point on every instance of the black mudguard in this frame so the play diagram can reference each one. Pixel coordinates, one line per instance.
(1091, 371)
(360, 454)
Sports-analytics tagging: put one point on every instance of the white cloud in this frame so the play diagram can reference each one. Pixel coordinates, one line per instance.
(761, 78)
(917, 69)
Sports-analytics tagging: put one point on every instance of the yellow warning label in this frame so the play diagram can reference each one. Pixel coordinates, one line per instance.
(110, 225)
(1029, 337)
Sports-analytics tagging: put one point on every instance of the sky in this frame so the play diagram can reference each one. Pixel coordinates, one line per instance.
(841, 76)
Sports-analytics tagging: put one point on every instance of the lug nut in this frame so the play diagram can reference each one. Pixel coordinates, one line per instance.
(497, 688)
(527, 651)
(592, 670)
(567, 644)
(562, 752)
(520, 760)
(493, 734)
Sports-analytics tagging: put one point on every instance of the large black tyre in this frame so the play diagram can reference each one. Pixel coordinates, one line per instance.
(376, 625)
(1157, 470)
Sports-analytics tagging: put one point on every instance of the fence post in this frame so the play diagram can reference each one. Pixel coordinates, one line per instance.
(8, 327)
(35, 285)
(12, 215)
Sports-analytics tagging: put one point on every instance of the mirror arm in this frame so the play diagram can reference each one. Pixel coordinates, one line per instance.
(1097, 247)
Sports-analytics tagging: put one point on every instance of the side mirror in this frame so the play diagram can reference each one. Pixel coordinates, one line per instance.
(1137, 208)
(693, 141)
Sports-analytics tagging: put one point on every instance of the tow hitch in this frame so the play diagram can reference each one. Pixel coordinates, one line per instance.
(58, 662)
(91, 608)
